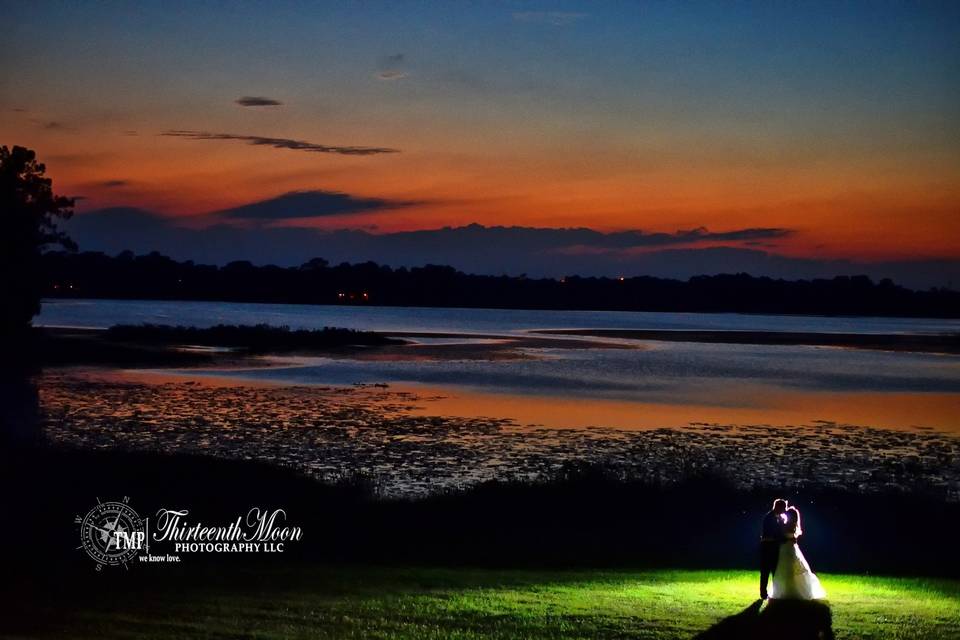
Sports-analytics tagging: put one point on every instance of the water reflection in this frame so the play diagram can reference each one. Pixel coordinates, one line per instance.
(327, 431)
(461, 409)
(753, 404)
(104, 313)
(655, 385)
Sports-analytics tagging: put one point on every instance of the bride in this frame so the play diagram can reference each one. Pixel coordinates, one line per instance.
(793, 579)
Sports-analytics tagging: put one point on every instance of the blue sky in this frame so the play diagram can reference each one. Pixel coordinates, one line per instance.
(837, 120)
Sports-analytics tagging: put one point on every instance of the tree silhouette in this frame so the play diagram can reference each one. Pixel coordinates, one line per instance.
(29, 211)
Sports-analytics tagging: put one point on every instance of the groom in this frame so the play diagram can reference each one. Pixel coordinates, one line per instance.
(771, 535)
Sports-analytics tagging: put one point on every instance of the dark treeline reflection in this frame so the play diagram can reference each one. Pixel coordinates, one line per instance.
(154, 276)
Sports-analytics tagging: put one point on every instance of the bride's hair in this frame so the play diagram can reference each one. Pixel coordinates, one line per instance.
(793, 521)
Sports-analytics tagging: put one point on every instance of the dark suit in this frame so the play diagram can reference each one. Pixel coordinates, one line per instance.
(771, 535)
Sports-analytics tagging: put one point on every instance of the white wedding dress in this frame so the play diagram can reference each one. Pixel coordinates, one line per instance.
(793, 579)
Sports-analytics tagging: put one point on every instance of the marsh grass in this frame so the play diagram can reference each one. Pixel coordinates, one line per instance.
(257, 338)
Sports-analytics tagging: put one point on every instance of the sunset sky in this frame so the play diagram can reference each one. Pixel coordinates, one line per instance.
(832, 128)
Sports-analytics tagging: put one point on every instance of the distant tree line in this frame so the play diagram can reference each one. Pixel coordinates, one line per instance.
(154, 276)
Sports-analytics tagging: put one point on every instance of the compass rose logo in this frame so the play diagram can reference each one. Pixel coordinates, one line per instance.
(112, 533)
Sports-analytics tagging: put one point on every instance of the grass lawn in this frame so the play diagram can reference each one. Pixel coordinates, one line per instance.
(367, 602)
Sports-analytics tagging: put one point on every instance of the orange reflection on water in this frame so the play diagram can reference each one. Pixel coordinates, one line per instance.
(750, 405)
(741, 404)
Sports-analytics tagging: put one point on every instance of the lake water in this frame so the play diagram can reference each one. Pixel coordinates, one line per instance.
(656, 384)
(653, 384)
(104, 313)
(462, 409)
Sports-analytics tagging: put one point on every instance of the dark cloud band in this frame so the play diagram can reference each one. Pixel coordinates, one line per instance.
(279, 143)
(257, 101)
(310, 204)
(473, 248)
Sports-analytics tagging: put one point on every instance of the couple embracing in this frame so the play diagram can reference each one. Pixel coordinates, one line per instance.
(781, 557)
